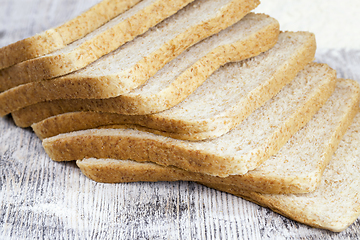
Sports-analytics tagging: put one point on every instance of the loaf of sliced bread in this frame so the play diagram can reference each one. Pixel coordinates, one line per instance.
(291, 170)
(335, 204)
(255, 33)
(244, 148)
(58, 37)
(140, 58)
(218, 105)
(135, 62)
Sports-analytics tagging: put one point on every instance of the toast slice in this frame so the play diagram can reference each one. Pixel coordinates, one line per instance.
(157, 46)
(218, 105)
(244, 148)
(291, 170)
(135, 62)
(56, 38)
(335, 204)
(255, 33)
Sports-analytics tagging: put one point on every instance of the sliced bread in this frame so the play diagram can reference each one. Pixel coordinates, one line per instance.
(255, 33)
(244, 148)
(156, 47)
(335, 204)
(224, 100)
(135, 62)
(58, 37)
(291, 170)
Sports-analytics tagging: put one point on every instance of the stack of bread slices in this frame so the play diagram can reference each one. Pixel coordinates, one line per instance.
(205, 91)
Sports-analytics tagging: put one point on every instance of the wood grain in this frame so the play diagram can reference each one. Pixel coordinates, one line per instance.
(42, 199)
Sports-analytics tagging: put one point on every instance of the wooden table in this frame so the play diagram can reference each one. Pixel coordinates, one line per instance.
(42, 199)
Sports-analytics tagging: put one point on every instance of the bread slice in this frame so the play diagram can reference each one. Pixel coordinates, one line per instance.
(291, 170)
(140, 58)
(58, 37)
(218, 105)
(255, 33)
(335, 204)
(244, 148)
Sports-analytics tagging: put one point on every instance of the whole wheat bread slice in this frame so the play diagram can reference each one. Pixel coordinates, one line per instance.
(157, 46)
(335, 204)
(224, 100)
(244, 148)
(58, 37)
(135, 62)
(291, 170)
(255, 33)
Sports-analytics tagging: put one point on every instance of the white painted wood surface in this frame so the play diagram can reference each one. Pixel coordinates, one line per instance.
(41, 199)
